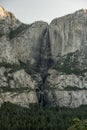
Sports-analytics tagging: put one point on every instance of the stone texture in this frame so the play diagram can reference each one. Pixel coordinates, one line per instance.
(68, 33)
(27, 43)
(22, 79)
(61, 81)
(66, 90)
(20, 46)
(41, 63)
(8, 22)
(22, 99)
(3, 79)
(67, 83)
(17, 87)
(67, 98)
(19, 41)
(6, 53)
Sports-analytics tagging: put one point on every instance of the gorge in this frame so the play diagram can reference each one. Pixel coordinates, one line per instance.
(44, 64)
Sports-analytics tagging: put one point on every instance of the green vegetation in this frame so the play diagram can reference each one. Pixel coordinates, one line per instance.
(18, 90)
(74, 88)
(15, 67)
(13, 117)
(1, 34)
(69, 64)
(28, 68)
(17, 31)
(80, 125)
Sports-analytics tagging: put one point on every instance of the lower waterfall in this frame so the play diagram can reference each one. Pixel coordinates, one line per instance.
(44, 63)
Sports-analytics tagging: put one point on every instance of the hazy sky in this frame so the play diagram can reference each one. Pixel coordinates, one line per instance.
(32, 10)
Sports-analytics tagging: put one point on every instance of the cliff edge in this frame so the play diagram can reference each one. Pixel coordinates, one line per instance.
(44, 64)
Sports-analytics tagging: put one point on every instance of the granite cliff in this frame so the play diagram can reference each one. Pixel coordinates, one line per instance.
(44, 64)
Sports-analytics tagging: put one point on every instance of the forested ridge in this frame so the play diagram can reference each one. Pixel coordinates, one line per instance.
(13, 117)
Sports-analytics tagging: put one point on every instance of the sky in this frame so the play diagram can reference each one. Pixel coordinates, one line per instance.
(29, 11)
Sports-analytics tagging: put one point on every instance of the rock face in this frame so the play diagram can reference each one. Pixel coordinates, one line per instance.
(66, 90)
(44, 64)
(68, 34)
(67, 79)
(17, 87)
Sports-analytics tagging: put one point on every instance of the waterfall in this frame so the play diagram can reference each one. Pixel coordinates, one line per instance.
(43, 64)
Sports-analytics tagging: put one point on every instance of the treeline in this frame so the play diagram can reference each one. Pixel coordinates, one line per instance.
(13, 117)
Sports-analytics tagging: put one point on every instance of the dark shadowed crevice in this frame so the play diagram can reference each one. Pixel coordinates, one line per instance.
(44, 62)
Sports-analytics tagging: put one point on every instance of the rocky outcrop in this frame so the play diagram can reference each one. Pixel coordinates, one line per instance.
(20, 55)
(68, 33)
(23, 99)
(66, 90)
(67, 80)
(62, 81)
(26, 44)
(44, 64)
(17, 87)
